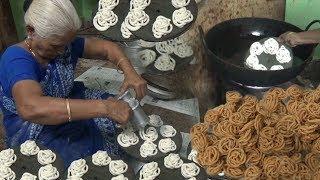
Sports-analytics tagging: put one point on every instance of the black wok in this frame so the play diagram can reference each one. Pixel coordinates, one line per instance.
(227, 43)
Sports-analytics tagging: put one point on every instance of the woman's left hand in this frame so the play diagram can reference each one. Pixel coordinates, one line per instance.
(135, 81)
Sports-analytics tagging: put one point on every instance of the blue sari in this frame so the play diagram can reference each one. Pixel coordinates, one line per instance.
(71, 140)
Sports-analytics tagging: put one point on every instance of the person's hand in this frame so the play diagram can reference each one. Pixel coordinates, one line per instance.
(135, 81)
(118, 110)
(291, 38)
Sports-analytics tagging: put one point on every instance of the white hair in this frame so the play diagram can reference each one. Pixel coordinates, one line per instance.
(52, 17)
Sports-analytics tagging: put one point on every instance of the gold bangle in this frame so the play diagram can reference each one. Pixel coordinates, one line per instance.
(120, 60)
(69, 110)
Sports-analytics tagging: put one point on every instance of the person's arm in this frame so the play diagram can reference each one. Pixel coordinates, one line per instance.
(307, 37)
(95, 48)
(33, 106)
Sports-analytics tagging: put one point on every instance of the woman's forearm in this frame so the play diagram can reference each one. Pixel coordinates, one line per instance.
(310, 37)
(53, 111)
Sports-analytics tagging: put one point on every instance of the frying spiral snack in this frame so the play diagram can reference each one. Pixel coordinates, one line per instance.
(199, 142)
(233, 172)
(253, 172)
(271, 166)
(254, 156)
(294, 92)
(210, 156)
(236, 157)
(227, 144)
(233, 97)
(215, 168)
(277, 137)
(199, 128)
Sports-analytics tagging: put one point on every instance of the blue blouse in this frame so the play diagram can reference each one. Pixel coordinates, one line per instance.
(71, 140)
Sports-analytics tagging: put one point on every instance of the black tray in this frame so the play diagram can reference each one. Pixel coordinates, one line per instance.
(114, 32)
(101, 172)
(134, 150)
(164, 8)
(31, 165)
(175, 174)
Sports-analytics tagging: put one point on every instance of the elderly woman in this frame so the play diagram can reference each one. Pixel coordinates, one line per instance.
(38, 96)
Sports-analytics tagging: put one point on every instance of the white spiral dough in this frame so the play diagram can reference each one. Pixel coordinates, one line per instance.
(181, 17)
(108, 4)
(192, 178)
(189, 170)
(167, 131)
(126, 33)
(6, 173)
(164, 47)
(136, 19)
(7, 157)
(148, 148)
(180, 3)
(283, 55)
(46, 157)
(105, 19)
(48, 172)
(260, 67)
(271, 46)
(101, 158)
(149, 171)
(127, 139)
(162, 26)
(167, 145)
(119, 177)
(146, 44)
(28, 176)
(77, 168)
(139, 4)
(29, 148)
(150, 134)
(165, 63)
(117, 167)
(155, 120)
(173, 161)
(193, 156)
(147, 57)
(276, 67)
(256, 49)
(183, 50)
(252, 61)
(74, 178)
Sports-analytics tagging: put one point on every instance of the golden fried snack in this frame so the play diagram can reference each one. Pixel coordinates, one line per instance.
(312, 161)
(294, 92)
(252, 173)
(271, 166)
(254, 156)
(311, 96)
(238, 119)
(314, 110)
(261, 109)
(316, 146)
(226, 144)
(224, 129)
(270, 102)
(212, 117)
(296, 157)
(215, 169)
(199, 141)
(292, 106)
(303, 172)
(307, 129)
(268, 132)
(309, 137)
(278, 143)
(245, 138)
(288, 125)
(303, 115)
(247, 126)
(281, 109)
(251, 144)
(287, 167)
(227, 112)
(272, 120)
(250, 100)
(281, 93)
(259, 122)
(265, 145)
(209, 156)
(233, 172)
(289, 145)
(316, 175)
(316, 121)
(236, 157)
(233, 97)
(199, 128)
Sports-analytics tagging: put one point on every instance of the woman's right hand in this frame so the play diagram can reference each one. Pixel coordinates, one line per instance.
(118, 110)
